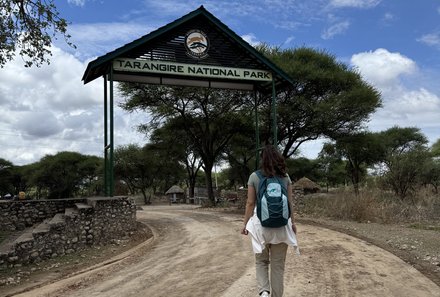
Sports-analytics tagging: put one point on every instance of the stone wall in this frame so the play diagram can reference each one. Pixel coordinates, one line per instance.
(98, 221)
(17, 215)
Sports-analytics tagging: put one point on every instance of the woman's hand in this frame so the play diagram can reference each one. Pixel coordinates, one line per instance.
(244, 231)
(294, 228)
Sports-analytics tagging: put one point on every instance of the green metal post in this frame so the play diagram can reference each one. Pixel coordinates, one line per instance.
(257, 134)
(106, 173)
(274, 114)
(111, 165)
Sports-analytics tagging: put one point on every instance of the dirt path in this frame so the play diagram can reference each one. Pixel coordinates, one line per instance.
(196, 253)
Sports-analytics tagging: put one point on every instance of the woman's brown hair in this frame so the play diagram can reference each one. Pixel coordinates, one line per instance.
(272, 162)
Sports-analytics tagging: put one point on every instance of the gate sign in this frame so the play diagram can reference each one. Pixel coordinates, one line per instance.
(171, 68)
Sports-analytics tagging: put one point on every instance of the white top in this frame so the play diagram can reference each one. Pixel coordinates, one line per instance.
(263, 235)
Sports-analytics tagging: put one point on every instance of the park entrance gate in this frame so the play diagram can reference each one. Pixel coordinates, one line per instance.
(196, 50)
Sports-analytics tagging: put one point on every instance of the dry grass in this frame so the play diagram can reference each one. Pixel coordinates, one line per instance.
(375, 206)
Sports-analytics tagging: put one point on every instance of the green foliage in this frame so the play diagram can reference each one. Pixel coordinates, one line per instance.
(29, 26)
(405, 171)
(303, 167)
(181, 151)
(435, 148)
(361, 150)
(6, 177)
(431, 174)
(320, 104)
(240, 153)
(397, 140)
(407, 160)
(209, 117)
(23, 177)
(331, 166)
(144, 168)
(65, 174)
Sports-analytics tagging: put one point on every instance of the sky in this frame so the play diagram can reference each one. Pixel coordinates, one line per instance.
(394, 44)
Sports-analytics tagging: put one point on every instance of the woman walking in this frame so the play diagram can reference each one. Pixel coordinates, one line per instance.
(269, 243)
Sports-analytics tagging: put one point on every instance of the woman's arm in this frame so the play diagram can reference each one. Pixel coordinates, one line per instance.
(250, 205)
(290, 198)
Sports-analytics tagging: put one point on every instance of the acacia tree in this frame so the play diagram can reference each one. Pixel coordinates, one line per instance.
(29, 26)
(327, 99)
(182, 151)
(398, 140)
(6, 168)
(331, 166)
(360, 149)
(63, 175)
(240, 152)
(144, 168)
(435, 148)
(406, 159)
(208, 116)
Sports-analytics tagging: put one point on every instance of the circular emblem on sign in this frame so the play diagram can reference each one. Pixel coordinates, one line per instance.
(197, 44)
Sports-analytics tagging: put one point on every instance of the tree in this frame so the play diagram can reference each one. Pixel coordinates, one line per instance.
(241, 151)
(208, 116)
(405, 171)
(29, 26)
(63, 174)
(327, 99)
(331, 166)
(435, 148)
(431, 174)
(360, 149)
(181, 151)
(406, 159)
(6, 177)
(135, 168)
(397, 140)
(302, 167)
(144, 168)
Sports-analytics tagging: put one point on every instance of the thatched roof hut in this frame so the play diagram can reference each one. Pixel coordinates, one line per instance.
(175, 194)
(174, 190)
(306, 185)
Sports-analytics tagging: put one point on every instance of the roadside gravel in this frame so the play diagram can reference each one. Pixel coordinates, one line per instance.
(416, 246)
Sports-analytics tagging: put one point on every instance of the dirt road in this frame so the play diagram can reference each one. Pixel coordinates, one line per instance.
(201, 253)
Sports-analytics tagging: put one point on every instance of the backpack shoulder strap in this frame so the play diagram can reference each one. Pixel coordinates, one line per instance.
(259, 174)
(262, 183)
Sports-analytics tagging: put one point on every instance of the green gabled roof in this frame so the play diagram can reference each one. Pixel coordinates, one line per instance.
(101, 65)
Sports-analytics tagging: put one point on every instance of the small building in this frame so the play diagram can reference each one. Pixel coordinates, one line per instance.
(306, 185)
(175, 194)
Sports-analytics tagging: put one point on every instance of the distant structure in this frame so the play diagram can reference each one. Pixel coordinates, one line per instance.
(175, 194)
(306, 185)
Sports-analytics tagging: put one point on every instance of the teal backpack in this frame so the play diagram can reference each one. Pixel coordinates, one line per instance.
(272, 203)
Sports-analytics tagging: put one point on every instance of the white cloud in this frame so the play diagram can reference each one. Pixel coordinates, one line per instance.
(99, 38)
(383, 68)
(289, 40)
(77, 2)
(37, 124)
(355, 3)
(402, 105)
(409, 108)
(251, 39)
(388, 17)
(49, 109)
(335, 29)
(432, 39)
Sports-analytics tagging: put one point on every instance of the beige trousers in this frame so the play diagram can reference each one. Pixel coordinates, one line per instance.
(273, 256)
